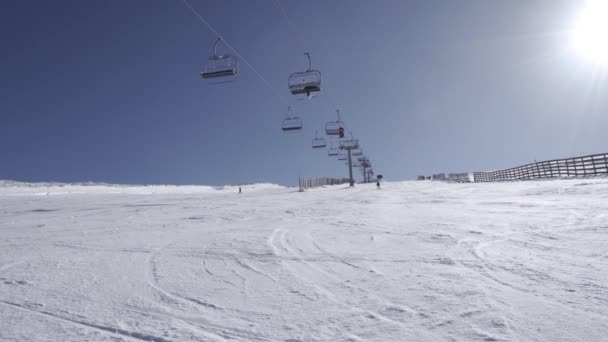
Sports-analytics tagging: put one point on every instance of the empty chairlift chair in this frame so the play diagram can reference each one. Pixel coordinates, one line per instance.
(306, 82)
(357, 152)
(334, 127)
(292, 122)
(318, 142)
(349, 144)
(333, 151)
(224, 67)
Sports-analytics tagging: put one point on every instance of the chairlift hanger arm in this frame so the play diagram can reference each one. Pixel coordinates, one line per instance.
(217, 40)
(307, 54)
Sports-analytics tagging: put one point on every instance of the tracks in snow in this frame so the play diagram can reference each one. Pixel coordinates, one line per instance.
(37, 309)
(171, 300)
(340, 292)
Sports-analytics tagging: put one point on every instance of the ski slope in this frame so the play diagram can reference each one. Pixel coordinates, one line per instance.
(415, 261)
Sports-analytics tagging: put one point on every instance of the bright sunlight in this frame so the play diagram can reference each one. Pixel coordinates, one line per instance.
(590, 35)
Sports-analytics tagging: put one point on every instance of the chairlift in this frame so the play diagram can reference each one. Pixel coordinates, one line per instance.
(333, 151)
(349, 144)
(219, 66)
(318, 142)
(343, 156)
(333, 127)
(357, 152)
(306, 82)
(292, 123)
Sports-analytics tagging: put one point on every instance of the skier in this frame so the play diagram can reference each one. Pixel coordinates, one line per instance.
(240, 190)
(378, 185)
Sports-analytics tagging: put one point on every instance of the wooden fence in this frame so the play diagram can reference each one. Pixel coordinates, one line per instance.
(307, 183)
(586, 166)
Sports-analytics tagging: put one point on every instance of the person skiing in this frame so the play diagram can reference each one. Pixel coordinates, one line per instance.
(378, 185)
(240, 190)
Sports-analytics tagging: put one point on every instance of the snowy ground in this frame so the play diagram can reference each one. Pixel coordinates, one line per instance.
(416, 261)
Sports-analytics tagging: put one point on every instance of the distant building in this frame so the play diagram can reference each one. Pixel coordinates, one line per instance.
(439, 176)
(464, 177)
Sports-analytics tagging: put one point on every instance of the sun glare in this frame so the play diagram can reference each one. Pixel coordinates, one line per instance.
(590, 34)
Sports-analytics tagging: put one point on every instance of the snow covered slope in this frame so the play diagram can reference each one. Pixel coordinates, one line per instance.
(416, 261)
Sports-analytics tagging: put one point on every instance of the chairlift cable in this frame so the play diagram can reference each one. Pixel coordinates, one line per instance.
(200, 17)
(290, 23)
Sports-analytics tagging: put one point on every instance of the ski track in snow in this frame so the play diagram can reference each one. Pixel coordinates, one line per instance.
(415, 261)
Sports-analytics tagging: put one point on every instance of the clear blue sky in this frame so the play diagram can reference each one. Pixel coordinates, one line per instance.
(110, 90)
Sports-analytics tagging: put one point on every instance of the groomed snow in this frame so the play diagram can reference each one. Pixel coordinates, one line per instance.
(415, 261)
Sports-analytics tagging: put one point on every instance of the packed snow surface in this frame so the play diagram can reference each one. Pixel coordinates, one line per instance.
(415, 261)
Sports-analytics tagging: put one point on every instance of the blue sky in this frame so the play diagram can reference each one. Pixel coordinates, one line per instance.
(110, 91)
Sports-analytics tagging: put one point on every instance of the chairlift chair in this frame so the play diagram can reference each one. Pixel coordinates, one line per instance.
(219, 66)
(318, 142)
(306, 82)
(349, 144)
(333, 127)
(292, 123)
(342, 156)
(333, 151)
(357, 152)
